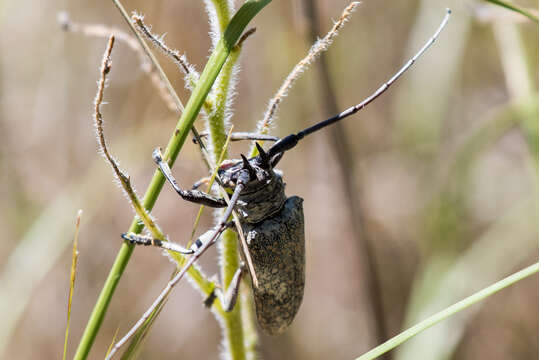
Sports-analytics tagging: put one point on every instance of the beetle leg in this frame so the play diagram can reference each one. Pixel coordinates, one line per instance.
(194, 196)
(210, 235)
(138, 239)
(148, 240)
(228, 299)
(239, 136)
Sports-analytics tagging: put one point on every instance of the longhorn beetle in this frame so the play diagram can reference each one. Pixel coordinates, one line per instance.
(272, 223)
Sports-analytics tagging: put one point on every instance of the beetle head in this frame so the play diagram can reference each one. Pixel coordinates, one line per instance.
(259, 168)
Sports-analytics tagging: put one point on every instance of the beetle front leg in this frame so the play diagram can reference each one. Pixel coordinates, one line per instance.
(228, 299)
(194, 196)
(138, 239)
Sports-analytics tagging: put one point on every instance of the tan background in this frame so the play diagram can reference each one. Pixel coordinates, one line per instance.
(436, 232)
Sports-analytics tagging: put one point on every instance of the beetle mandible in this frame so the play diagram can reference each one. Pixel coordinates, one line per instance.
(272, 223)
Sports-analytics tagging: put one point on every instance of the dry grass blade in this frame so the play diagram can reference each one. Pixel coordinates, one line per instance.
(74, 261)
(113, 341)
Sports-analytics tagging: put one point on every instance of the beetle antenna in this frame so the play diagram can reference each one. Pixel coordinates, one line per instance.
(292, 140)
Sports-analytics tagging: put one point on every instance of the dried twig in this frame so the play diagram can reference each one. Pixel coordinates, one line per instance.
(98, 30)
(121, 175)
(158, 42)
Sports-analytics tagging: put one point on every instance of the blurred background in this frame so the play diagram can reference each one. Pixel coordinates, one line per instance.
(428, 195)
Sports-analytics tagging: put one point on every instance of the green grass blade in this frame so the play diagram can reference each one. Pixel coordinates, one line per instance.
(449, 311)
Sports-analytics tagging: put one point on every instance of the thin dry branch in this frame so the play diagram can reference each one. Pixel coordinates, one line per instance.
(158, 42)
(122, 177)
(97, 30)
(103, 31)
(98, 117)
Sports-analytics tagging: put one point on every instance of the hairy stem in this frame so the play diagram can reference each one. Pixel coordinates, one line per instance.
(217, 127)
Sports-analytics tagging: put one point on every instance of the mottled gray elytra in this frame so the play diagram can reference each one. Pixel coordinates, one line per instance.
(273, 224)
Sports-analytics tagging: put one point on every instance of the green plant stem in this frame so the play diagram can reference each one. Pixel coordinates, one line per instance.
(250, 332)
(228, 246)
(216, 120)
(213, 67)
(232, 320)
(450, 311)
(223, 13)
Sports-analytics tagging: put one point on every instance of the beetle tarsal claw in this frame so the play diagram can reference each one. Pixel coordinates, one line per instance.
(157, 156)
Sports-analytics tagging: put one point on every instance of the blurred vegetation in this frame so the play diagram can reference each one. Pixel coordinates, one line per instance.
(443, 168)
